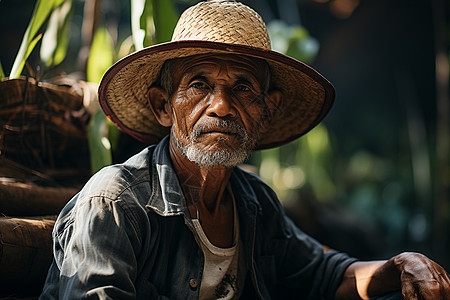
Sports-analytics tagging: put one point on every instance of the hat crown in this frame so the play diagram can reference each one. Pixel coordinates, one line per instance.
(223, 22)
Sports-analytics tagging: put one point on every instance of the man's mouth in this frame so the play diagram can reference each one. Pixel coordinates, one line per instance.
(231, 133)
(221, 129)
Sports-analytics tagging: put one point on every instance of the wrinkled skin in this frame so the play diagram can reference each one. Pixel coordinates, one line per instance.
(417, 276)
(421, 278)
(219, 108)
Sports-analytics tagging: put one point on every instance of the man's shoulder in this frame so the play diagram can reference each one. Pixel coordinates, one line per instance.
(113, 181)
(125, 185)
(250, 184)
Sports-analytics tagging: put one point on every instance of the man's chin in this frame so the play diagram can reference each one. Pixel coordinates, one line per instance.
(219, 152)
(217, 157)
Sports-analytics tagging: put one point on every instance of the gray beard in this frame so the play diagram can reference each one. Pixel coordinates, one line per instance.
(221, 157)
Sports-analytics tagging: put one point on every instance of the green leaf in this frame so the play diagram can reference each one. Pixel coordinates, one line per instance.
(147, 23)
(32, 44)
(137, 31)
(99, 146)
(166, 18)
(2, 73)
(40, 14)
(59, 2)
(56, 37)
(101, 56)
(29, 49)
(157, 19)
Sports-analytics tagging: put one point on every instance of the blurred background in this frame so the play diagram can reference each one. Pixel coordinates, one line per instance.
(373, 179)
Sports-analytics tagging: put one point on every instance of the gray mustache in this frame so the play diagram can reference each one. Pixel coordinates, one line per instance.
(229, 125)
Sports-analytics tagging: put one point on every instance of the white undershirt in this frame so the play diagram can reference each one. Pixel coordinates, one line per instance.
(221, 277)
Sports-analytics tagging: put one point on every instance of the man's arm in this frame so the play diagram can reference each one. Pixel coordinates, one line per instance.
(95, 253)
(417, 276)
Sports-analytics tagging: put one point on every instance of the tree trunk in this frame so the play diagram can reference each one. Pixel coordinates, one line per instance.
(26, 253)
(26, 199)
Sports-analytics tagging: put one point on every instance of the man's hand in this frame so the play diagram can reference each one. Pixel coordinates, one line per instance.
(417, 276)
(421, 278)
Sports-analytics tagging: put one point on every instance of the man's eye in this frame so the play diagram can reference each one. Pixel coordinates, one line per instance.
(198, 85)
(242, 88)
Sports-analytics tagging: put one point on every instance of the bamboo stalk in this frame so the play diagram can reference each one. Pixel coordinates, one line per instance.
(25, 253)
(24, 199)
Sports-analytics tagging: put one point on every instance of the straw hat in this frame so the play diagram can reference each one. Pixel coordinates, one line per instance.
(215, 27)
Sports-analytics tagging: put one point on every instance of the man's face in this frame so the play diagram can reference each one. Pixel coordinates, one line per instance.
(217, 108)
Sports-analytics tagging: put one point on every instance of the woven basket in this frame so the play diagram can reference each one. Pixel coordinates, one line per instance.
(42, 125)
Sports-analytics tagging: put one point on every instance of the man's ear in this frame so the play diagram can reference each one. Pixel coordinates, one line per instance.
(273, 99)
(158, 99)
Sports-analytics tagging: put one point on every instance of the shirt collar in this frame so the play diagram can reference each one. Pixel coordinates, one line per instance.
(167, 201)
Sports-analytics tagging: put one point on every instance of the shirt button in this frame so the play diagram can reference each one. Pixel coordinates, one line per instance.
(193, 283)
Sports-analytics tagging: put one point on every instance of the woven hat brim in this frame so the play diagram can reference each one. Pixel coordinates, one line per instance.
(307, 95)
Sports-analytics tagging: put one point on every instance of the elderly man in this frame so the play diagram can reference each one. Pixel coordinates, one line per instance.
(179, 220)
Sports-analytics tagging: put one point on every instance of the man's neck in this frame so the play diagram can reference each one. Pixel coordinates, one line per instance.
(201, 185)
(204, 189)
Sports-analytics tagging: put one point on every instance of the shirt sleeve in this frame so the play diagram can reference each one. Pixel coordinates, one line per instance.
(96, 245)
(322, 271)
(293, 264)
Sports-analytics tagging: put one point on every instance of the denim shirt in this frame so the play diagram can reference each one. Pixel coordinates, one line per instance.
(128, 235)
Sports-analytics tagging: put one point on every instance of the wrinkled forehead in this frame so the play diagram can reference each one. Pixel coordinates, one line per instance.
(232, 60)
(250, 66)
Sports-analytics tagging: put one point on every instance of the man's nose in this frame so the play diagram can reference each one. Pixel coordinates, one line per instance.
(221, 104)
